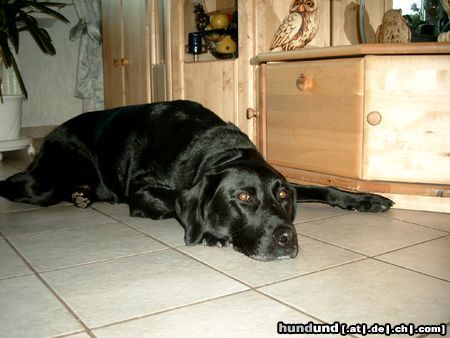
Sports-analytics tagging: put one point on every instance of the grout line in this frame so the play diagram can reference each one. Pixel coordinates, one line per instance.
(323, 218)
(123, 321)
(421, 225)
(375, 257)
(295, 308)
(310, 273)
(68, 335)
(411, 270)
(101, 261)
(48, 287)
(334, 244)
(411, 245)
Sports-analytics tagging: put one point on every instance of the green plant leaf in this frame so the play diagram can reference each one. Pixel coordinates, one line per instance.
(11, 28)
(5, 50)
(15, 17)
(40, 35)
(41, 8)
(19, 78)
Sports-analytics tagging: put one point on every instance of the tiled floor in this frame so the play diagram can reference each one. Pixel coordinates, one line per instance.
(98, 272)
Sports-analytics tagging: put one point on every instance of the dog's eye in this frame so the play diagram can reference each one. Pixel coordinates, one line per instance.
(244, 197)
(283, 194)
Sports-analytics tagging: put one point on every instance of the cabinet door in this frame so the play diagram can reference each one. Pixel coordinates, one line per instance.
(407, 102)
(136, 51)
(314, 116)
(112, 53)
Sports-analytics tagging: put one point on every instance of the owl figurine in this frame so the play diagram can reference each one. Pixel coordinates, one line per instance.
(299, 27)
(393, 28)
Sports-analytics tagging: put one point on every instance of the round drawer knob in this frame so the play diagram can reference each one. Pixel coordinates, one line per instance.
(374, 118)
(303, 83)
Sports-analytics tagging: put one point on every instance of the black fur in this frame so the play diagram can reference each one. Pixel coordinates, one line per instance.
(176, 159)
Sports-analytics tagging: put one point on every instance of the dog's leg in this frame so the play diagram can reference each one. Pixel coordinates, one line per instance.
(154, 203)
(342, 199)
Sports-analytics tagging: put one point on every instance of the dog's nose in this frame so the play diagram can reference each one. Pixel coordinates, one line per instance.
(283, 235)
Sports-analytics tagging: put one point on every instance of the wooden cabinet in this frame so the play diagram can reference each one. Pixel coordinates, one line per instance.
(313, 119)
(224, 86)
(367, 117)
(130, 52)
(408, 100)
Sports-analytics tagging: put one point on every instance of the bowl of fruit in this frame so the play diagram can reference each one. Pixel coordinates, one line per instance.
(219, 31)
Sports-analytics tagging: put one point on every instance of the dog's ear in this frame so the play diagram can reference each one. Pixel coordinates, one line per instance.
(191, 208)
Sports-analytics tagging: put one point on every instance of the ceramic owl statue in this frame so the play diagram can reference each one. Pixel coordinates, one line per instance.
(445, 36)
(394, 28)
(299, 27)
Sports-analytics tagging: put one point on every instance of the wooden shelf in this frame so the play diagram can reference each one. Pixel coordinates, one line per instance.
(416, 48)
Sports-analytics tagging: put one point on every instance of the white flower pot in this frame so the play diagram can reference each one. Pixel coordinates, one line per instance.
(10, 117)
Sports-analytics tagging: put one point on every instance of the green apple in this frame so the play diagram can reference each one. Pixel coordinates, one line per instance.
(226, 45)
(218, 21)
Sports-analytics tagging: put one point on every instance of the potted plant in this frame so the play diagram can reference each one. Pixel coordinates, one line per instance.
(17, 16)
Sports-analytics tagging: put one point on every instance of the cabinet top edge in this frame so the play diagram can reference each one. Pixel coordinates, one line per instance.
(423, 48)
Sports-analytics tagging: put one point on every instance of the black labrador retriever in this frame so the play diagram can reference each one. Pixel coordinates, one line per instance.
(176, 159)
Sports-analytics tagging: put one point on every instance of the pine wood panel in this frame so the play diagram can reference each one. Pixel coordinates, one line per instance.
(320, 128)
(412, 141)
(345, 20)
(113, 50)
(213, 85)
(136, 40)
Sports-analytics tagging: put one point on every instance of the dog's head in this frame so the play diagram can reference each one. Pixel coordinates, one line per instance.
(243, 202)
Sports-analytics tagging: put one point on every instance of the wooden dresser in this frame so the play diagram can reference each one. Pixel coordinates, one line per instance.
(362, 117)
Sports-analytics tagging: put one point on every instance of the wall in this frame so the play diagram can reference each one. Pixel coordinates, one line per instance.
(50, 80)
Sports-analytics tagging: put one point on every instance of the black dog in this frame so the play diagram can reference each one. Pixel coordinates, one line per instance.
(176, 159)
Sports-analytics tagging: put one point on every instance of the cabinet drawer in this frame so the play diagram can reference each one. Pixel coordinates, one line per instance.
(314, 115)
(408, 98)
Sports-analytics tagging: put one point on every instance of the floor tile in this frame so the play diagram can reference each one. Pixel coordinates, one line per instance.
(437, 220)
(51, 250)
(28, 309)
(7, 170)
(117, 211)
(78, 335)
(436, 335)
(111, 291)
(9, 206)
(369, 234)
(432, 258)
(313, 211)
(313, 256)
(49, 219)
(368, 291)
(168, 231)
(11, 264)
(244, 315)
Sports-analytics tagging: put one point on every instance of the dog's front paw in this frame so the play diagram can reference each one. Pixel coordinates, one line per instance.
(209, 240)
(81, 198)
(370, 203)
